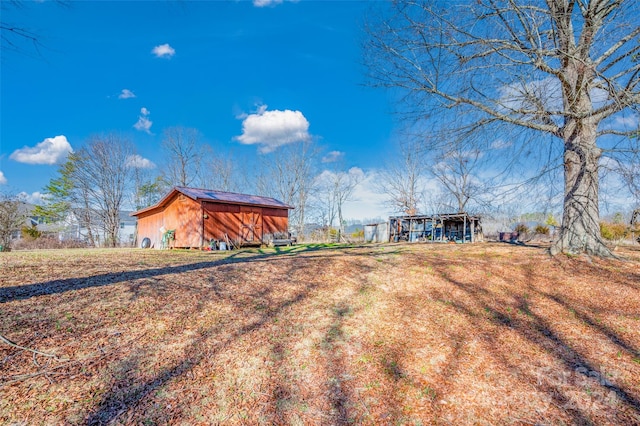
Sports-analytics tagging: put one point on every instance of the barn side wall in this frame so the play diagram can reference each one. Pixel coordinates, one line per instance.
(229, 219)
(148, 227)
(181, 214)
(223, 218)
(275, 220)
(187, 218)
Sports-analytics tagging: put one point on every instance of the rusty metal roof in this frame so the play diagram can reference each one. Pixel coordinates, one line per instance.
(210, 195)
(231, 197)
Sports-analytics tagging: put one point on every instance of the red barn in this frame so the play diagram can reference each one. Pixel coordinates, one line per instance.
(200, 215)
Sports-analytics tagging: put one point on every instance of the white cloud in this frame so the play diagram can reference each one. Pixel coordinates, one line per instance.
(144, 124)
(500, 144)
(622, 122)
(265, 3)
(138, 162)
(163, 51)
(126, 94)
(366, 201)
(271, 129)
(49, 151)
(599, 96)
(608, 163)
(3, 180)
(547, 92)
(355, 173)
(34, 198)
(627, 121)
(519, 95)
(333, 156)
(270, 3)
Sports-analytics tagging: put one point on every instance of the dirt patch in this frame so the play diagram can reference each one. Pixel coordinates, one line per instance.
(379, 334)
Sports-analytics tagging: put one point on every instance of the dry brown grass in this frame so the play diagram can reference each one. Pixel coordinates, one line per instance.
(393, 334)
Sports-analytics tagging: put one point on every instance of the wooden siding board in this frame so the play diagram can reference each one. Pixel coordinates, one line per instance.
(250, 230)
(220, 223)
(275, 212)
(149, 227)
(222, 218)
(232, 220)
(185, 215)
(275, 220)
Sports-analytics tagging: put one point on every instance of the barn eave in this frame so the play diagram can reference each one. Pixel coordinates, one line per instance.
(199, 195)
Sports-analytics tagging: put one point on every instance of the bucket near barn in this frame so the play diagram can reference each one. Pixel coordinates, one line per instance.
(223, 245)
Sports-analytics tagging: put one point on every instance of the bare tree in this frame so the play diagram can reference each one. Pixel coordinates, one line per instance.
(630, 172)
(335, 188)
(322, 205)
(288, 175)
(561, 67)
(220, 172)
(189, 161)
(12, 218)
(145, 190)
(344, 184)
(455, 170)
(402, 179)
(183, 149)
(14, 35)
(102, 173)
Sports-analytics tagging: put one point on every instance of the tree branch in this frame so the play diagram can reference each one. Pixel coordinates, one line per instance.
(15, 345)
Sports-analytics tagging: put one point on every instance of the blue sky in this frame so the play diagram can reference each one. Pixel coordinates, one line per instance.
(138, 67)
(249, 75)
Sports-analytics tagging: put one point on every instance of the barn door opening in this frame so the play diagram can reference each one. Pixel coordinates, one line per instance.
(251, 226)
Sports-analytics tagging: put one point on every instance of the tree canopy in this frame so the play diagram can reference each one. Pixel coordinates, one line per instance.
(563, 68)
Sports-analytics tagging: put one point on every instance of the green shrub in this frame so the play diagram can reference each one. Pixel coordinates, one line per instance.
(30, 232)
(542, 229)
(618, 218)
(521, 228)
(551, 221)
(359, 233)
(613, 231)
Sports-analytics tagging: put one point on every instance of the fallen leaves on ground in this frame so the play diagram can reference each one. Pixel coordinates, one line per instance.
(376, 334)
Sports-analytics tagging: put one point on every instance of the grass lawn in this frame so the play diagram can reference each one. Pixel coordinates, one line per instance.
(379, 334)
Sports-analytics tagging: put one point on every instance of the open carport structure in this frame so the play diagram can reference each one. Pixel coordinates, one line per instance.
(449, 227)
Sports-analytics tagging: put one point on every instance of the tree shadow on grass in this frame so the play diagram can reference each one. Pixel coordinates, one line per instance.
(538, 331)
(339, 397)
(23, 292)
(601, 328)
(126, 396)
(266, 304)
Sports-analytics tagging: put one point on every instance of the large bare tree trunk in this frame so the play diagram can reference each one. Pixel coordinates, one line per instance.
(580, 231)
